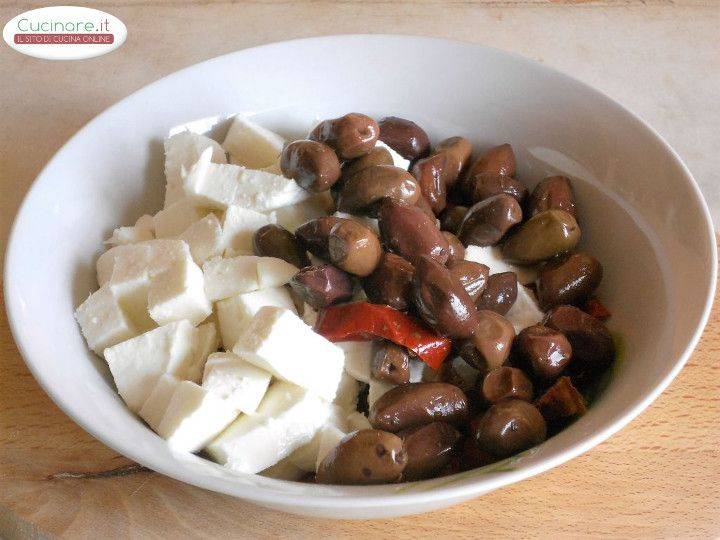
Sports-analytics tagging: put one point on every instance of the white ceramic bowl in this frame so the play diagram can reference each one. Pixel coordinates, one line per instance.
(641, 212)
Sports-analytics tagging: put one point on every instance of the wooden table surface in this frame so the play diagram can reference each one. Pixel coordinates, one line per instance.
(658, 478)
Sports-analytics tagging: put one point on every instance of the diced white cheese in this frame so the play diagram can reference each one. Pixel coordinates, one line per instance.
(347, 393)
(491, 256)
(155, 406)
(357, 421)
(235, 380)
(130, 282)
(144, 229)
(278, 341)
(252, 145)
(204, 238)
(398, 160)
(525, 311)
(211, 185)
(377, 388)
(235, 313)
(306, 456)
(102, 321)
(137, 364)
(372, 223)
(165, 253)
(173, 220)
(329, 437)
(135, 254)
(239, 226)
(358, 358)
(264, 191)
(179, 293)
(194, 417)
(274, 272)
(229, 277)
(284, 469)
(182, 151)
(317, 205)
(288, 417)
(206, 343)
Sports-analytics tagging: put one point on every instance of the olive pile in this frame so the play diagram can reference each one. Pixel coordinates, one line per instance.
(529, 385)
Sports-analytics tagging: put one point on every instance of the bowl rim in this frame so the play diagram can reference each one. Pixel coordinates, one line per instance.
(369, 496)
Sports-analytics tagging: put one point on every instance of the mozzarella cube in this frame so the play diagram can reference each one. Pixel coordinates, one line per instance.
(398, 160)
(179, 293)
(173, 220)
(229, 277)
(274, 272)
(194, 417)
(278, 341)
(284, 469)
(357, 421)
(369, 222)
(264, 191)
(165, 253)
(491, 256)
(525, 311)
(144, 229)
(210, 184)
(239, 226)
(102, 321)
(235, 380)
(317, 205)
(157, 402)
(377, 388)
(235, 313)
(358, 358)
(252, 145)
(130, 282)
(132, 254)
(306, 456)
(347, 393)
(206, 343)
(288, 418)
(182, 151)
(329, 437)
(137, 364)
(204, 238)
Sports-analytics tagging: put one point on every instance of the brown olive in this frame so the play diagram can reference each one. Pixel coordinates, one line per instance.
(417, 404)
(455, 247)
(363, 190)
(506, 382)
(553, 193)
(490, 343)
(542, 237)
(391, 282)
(497, 160)
(276, 241)
(354, 247)
(459, 149)
(569, 280)
(409, 232)
(592, 345)
(442, 301)
(405, 137)
(377, 156)
(428, 448)
(322, 286)
(314, 235)
(391, 363)
(560, 402)
(313, 165)
(452, 217)
(365, 457)
(544, 350)
(509, 427)
(424, 205)
(351, 136)
(485, 185)
(487, 221)
(472, 275)
(500, 293)
(431, 174)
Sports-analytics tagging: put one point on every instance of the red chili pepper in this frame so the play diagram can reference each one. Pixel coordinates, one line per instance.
(362, 321)
(597, 309)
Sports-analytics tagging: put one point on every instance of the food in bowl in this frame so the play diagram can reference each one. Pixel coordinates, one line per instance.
(356, 307)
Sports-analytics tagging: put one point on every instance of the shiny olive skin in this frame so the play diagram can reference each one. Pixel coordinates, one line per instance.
(363, 191)
(509, 427)
(313, 165)
(276, 241)
(473, 276)
(351, 136)
(552, 193)
(569, 280)
(506, 382)
(428, 448)
(424, 205)
(487, 221)
(432, 175)
(485, 185)
(542, 237)
(497, 160)
(459, 149)
(442, 301)
(560, 402)
(313, 235)
(455, 247)
(544, 350)
(405, 137)
(500, 293)
(376, 156)
(391, 363)
(409, 232)
(452, 218)
(365, 457)
(322, 286)
(417, 404)
(592, 345)
(391, 282)
(491, 342)
(354, 247)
